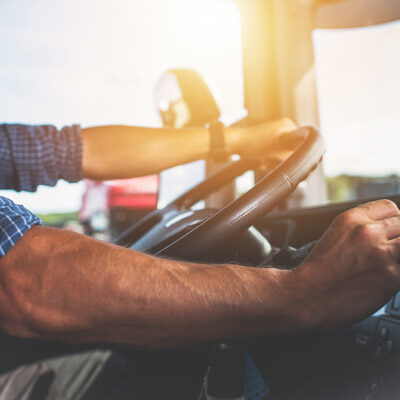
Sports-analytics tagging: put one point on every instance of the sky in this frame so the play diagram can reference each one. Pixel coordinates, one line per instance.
(96, 62)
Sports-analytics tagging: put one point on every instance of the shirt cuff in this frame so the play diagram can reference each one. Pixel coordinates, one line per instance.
(39, 155)
(69, 150)
(15, 221)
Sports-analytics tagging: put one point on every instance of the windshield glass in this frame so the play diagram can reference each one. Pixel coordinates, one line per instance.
(96, 62)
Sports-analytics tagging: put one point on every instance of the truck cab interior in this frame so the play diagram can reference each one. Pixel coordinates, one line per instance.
(332, 67)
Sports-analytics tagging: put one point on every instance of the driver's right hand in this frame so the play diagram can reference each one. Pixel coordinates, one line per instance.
(354, 268)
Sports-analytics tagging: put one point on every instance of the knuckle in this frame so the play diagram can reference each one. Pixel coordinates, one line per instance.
(390, 205)
(367, 232)
(286, 121)
(381, 252)
(392, 275)
(346, 218)
(381, 255)
(287, 124)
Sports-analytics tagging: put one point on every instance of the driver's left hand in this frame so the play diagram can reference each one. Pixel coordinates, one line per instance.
(270, 142)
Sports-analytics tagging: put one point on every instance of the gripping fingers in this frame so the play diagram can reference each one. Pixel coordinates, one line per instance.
(394, 268)
(380, 209)
(394, 246)
(391, 227)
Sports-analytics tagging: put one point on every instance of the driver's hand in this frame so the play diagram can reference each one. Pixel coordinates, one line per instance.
(270, 142)
(354, 268)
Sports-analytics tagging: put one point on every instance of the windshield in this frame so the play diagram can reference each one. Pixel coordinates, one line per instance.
(96, 62)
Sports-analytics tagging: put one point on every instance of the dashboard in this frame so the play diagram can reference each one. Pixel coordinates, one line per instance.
(378, 341)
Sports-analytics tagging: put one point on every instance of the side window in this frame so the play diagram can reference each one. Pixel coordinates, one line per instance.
(358, 84)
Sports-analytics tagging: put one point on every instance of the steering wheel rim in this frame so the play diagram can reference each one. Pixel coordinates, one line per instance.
(215, 181)
(206, 238)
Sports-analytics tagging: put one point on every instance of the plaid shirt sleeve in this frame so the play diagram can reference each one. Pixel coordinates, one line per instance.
(31, 156)
(39, 155)
(15, 221)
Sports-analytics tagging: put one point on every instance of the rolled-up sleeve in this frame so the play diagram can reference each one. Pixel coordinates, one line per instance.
(39, 155)
(15, 221)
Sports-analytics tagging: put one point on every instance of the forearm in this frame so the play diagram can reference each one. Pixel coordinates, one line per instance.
(111, 152)
(42, 155)
(64, 286)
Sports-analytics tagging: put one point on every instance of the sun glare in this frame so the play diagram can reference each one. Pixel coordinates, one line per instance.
(96, 62)
(211, 22)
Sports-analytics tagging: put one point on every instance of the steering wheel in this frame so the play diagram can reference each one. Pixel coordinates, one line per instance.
(178, 232)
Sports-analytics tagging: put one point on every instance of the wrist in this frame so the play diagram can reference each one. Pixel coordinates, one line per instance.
(233, 139)
(218, 149)
(288, 304)
(300, 291)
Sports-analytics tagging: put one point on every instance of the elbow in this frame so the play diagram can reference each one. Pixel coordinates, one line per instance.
(25, 317)
(15, 319)
(21, 286)
(17, 328)
(18, 316)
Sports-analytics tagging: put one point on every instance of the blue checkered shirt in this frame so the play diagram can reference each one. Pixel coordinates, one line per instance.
(15, 221)
(31, 156)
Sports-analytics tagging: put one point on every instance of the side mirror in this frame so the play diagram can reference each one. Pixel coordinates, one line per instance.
(184, 99)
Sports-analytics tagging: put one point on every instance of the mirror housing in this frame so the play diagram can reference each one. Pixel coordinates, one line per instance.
(184, 100)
